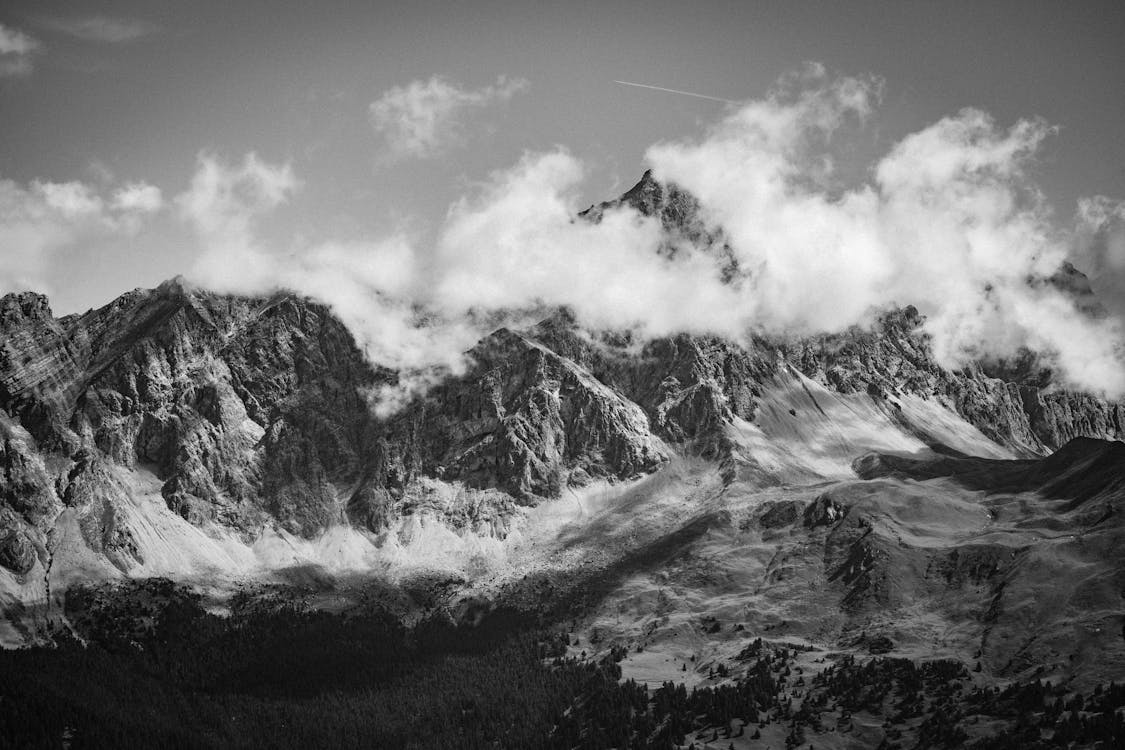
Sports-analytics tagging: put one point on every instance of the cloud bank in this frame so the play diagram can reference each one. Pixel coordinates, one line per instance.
(424, 118)
(949, 220)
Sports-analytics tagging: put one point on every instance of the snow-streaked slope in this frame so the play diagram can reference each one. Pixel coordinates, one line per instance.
(801, 442)
(1022, 583)
(804, 431)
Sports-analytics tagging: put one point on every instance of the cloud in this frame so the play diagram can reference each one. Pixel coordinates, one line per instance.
(16, 51)
(1100, 250)
(948, 219)
(30, 229)
(951, 222)
(138, 196)
(222, 204)
(71, 200)
(40, 218)
(102, 29)
(425, 118)
(519, 245)
(372, 286)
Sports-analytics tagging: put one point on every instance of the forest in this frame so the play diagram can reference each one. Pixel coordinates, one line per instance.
(159, 670)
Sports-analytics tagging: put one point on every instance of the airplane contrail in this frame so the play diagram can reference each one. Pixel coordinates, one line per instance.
(677, 91)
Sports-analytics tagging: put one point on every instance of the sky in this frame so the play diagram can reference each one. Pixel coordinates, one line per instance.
(424, 149)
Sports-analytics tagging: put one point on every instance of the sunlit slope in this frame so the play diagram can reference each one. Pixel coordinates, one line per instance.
(1015, 564)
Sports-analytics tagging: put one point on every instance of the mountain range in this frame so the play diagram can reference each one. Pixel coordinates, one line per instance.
(675, 498)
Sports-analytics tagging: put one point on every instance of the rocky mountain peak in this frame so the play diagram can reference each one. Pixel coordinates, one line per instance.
(677, 209)
(18, 307)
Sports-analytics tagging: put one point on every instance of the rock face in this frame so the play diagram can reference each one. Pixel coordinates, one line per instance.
(894, 357)
(524, 421)
(688, 385)
(246, 408)
(679, 215)
(529, 422)
(253, 412)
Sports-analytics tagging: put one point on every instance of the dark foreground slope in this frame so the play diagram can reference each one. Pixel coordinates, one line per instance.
(280, 677)
(1081, 472)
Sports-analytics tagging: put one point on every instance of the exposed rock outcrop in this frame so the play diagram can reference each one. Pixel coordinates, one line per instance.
(524, 420)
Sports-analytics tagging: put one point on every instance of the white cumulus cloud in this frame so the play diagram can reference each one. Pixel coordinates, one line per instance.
(425, 118)
(950, 222)
(138, 196)
(518, 245)
(222, 204)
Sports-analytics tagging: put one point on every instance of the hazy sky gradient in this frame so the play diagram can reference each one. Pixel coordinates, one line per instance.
(122, 92)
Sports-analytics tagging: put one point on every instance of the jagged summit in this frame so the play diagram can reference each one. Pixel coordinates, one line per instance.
(679, 211)
(648, 195)
(20, 305)
(177, 285)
